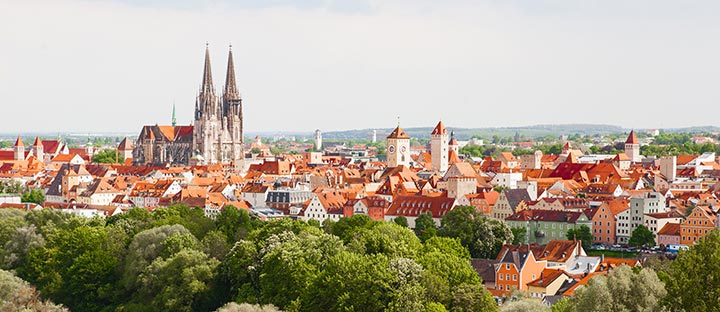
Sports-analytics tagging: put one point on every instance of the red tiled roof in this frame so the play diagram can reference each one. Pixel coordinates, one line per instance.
(439, 129)
(670, 229)
(632, 138)
(398, 133)
(19, 142)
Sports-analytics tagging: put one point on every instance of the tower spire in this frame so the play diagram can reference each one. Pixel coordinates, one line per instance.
(174, 120)
(207, 83)
(231, 92)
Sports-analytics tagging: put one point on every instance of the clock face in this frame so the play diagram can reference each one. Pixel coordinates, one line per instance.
(403, 149)
(391, 148)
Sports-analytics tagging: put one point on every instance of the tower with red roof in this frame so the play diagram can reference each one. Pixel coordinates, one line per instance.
(398, 148)
(439, 147)
(19, 149)
(632, 147)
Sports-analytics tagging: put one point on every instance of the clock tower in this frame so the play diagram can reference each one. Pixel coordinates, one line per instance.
(398, 148)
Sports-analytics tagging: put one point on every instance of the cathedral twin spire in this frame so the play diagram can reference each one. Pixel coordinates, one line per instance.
(207, 101)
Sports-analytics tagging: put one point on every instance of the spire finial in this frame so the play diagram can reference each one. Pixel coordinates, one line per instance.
(398, 121)
(231, 92)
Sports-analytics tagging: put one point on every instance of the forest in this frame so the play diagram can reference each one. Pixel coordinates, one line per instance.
(176, 259)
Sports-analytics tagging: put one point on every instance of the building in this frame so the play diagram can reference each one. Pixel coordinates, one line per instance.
(656, 221)
(632, 147)
(398, 148)
(700, 221)
(439, 147)
(669, 234)
(605, 219)
(516, 267)
(543, 226)
(510, 202)
(216, 135)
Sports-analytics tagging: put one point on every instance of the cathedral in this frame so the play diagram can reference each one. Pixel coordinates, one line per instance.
(216, 135)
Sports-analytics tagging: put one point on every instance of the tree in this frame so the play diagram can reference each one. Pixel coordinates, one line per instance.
(234, 223)
(642, 236)
(33, 196)
(481, 235)
(17, 295)
(385, 238)
(246, 307)
(425, 226)
(108, 156)
(582, 234)
(519, 235)
(472, 298)
(525, 305)
(401, 221)
(77, 266)
(694, 277)
(180, 282)
(619, 291)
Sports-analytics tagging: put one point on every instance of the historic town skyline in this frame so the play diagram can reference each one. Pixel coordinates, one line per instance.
(552, 62)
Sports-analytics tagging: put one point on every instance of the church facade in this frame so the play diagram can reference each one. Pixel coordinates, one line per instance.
(216, 135)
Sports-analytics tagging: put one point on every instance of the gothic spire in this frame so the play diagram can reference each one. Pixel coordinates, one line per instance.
(174, 120)
(230, 87)
(207, 83)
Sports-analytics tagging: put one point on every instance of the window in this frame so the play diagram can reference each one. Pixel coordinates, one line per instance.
(500, 277)
(507, 276)
(507, 266)
(514, 277)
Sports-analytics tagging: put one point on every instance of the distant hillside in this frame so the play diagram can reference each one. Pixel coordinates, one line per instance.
(467, 133)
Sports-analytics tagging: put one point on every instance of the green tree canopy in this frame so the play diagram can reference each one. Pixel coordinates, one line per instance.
(642, 236)
(582, 234)
(481, 235)
(694, 278)
(108, 156)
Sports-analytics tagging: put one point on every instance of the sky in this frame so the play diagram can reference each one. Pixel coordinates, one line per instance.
(115, 65)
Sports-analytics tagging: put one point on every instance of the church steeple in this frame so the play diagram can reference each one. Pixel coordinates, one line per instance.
(231, 92)
(207, 83)
(174, 120)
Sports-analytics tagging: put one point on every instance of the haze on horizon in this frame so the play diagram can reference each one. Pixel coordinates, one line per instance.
(115, 65)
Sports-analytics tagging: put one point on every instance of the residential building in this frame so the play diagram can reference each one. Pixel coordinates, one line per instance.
(543, 226)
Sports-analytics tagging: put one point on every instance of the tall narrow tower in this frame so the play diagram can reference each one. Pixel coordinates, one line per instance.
(232, 114)
(174, 120)
(398, 148)
(38, 149)
(19, 149)
(318, 140)
(439, 144)
(632, 147)
(207, 116)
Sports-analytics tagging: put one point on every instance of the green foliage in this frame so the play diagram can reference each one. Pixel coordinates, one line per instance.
(108, 156)
(385, 238)
(175, 259)
(425, 226)
(481, 235)
(619, 291)
(642, 236)
(17, 295)
(519, 235)
(234, 223)
(525, 305)
(582, 234)
(694, 277)
(179, 282)
(33, 196)
(401, 221)
(11, 187)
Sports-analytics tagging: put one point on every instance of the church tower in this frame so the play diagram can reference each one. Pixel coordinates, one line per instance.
(232, 116)
(207, 115)
(318, 140)
(439, 144)
(19, 149)
(398, 148)
(38, 149)
(632, 147)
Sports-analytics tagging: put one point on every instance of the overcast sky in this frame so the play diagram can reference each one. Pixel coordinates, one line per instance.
(115, 65)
